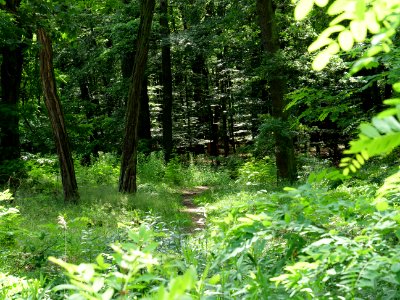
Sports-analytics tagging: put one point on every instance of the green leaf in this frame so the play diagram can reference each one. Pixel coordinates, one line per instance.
(321, 3)
(332, 29)
(358, 30)
(381, 125)
(319, 43)
(322, 59)
(346, 171)
(387, 113)
(369, 130)
(367, 63)
(346, 41)
(337, 7)
(395, 267)
(356, 164)
(372, 24)
(215, 279)
(338, 19)
(393, 101)
(360, 159)
(381, 205)
(107, 295)
(365, 154)
(98, 284)
(360, 9)
(62, 287)
(396, 87)
(303, 8)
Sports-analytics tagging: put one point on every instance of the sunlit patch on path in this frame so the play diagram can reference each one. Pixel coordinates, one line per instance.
(196, 213)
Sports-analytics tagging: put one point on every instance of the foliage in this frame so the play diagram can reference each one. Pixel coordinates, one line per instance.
(132, 271)
(12, 287)
(331, 237)
(377, 138)
(381, 19)
(103, 171)
(257, 172)
(353, 19)
(328, 238)
(8, 220)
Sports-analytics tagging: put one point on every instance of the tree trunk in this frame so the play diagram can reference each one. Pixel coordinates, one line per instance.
(284, 149)
(144, 129)
(166, 80)
(56, 116)
(144, 134)
(127, 180)
(11, 74)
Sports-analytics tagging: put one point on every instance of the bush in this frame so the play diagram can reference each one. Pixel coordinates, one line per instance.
(258, 172)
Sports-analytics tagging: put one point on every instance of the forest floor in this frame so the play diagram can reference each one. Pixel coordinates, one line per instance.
(197, 213)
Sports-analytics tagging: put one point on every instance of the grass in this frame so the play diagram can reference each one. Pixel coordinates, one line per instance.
(95, 223)
(255, 229)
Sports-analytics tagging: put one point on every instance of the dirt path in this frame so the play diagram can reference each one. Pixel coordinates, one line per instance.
(196, 213)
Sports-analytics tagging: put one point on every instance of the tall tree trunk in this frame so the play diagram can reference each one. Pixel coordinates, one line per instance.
(144, 129)
(127, 179)
(144, 134)
(166, 80)
(231, 127)
(284, 149)
(202, 107)
(56, 116)
(11, 74)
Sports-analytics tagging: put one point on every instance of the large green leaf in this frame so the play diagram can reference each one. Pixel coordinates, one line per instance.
(303, 8)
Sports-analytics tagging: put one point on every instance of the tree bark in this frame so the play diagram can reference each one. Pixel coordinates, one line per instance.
(144, 129)
(127, 180)
(166, 80)
(284, 149)
(11, 74)
(144, 134)
(56, 116)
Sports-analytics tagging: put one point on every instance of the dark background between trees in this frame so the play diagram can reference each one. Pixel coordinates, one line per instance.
(218, 77)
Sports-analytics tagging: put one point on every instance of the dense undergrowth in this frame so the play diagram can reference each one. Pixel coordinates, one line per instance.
(330, 237)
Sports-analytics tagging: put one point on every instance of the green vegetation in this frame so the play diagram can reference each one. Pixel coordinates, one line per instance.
(217, 159)
(331, 237)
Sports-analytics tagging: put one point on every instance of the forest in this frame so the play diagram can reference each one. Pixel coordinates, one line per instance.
(199, 149)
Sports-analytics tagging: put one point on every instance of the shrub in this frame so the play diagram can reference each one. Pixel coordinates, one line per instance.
(258, 172)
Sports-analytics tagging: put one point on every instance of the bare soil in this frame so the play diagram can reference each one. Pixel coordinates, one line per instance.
(196, 213)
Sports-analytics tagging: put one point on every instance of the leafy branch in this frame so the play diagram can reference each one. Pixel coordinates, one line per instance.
(379, 137)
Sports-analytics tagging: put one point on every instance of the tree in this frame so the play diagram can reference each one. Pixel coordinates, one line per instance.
(11, 74)
(352, 24)
(284, 149)
(127, 180)
(56, 116)
(166, 75)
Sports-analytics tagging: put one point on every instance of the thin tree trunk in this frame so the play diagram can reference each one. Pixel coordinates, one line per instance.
(231, 120)
(188, 113)
(144, 134)
(56, 116)
(284, 149)
(166, 81)
(127, 179)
